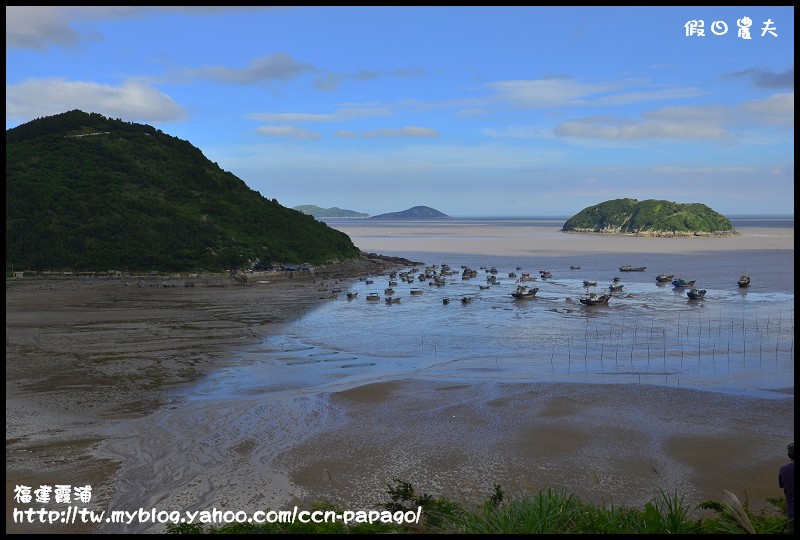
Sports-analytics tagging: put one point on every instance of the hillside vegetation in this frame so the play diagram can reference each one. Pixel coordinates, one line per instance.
(650, 217)
(85, 192)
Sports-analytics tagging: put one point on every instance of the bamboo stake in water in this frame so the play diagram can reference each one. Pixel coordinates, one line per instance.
(586, 344)
(569, 354)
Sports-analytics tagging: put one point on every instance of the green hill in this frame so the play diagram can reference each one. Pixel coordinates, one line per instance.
(416, 212)
(85, 192)
(650, 217)
(317, 212)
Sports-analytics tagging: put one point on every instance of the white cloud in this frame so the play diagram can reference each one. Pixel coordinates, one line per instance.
(276, 67)
(777, 109)
(548, 92)
(340, 115)
(288, 131)
(408, 131)
(331, 81)
(132, 101)
(39, 27)
(710, 122)
(641, 130)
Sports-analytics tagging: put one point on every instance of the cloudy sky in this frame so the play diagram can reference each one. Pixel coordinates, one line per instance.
(474, 111)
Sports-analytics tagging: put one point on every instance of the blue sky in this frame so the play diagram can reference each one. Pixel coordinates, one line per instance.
(474, 111)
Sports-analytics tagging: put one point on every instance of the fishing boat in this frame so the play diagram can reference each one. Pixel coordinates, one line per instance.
(545, 274)
(466, 300)
(352, 295)
(373, 297)
(615, 287)
(664, 278)
(573, 267)
(629, 268)
(696, 293)
(587, 283)
(594, 299)
(445, 301)
(524, 292)
(744, 281)
(392, 299)
(681, 283)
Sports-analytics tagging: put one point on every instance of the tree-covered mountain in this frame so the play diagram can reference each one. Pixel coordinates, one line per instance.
(86, 192)
(650, 217)
(317, 212)
(416, 212)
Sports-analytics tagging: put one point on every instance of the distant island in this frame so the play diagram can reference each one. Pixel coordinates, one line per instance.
(316, 211)
(416, 212)
(650, 218)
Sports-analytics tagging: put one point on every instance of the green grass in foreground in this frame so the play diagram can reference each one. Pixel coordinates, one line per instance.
(550, 511)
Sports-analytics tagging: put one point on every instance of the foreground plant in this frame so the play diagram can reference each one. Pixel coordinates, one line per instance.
(550, 511)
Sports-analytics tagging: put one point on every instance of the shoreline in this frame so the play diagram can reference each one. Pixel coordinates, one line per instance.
(531, 436)
(87, 355)
(93, 371)
(403, 237)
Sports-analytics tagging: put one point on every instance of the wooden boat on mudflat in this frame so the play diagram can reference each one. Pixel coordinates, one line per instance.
(587, 283)
(524, 292)
(615, 287)
(681, 283)
(695, 293)
(664, 278)
(594, 299)
(373, 297)
(744, 281)
(629, 268)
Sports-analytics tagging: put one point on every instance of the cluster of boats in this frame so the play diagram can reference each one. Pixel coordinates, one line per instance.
(524, 291)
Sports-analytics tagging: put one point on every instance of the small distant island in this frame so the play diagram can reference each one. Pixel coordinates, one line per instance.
(416, 212)
(650, 217)
(317, 212)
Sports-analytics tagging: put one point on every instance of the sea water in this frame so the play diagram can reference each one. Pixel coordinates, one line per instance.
(229, 427)
(735, 340)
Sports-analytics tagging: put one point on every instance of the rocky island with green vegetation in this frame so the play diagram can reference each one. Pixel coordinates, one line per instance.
(415, 212)
(650, 217)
